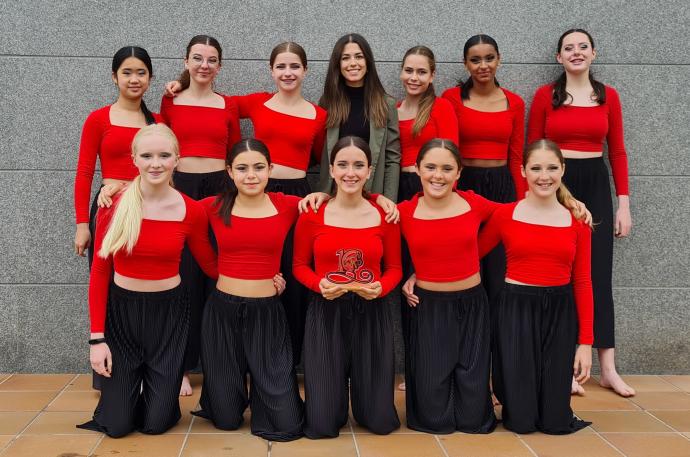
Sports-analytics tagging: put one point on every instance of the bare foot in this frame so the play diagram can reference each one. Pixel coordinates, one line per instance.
(186, 388)
(612, 380)
(401, 386)
(494, 400)
(576, 388)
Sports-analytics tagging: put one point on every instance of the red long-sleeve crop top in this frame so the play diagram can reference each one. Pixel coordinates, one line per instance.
(250, 248)
(112, 144)
(583, 128)
(543, 255)
(290, 139)
(445, 250)
(203, 131)
(496, 136)
(442, 123)
(346, 255)
(155, 256)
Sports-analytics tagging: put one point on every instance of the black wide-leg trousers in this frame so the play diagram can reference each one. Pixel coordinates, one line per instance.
(348, 352)
(448, 363)
(249, 336)
(535, 334)
(197, 186)
(147, 335)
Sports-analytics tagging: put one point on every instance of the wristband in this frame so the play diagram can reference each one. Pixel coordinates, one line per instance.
(96, 341)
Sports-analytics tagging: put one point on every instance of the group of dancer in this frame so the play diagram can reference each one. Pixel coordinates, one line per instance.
(505, 282)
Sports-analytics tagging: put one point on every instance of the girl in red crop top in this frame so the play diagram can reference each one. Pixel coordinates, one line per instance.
(445, 389)
(579, 113)
(349, 256)
(491, 135)
(139, 319)
(250, 227)
(107, 135)
(536, 322)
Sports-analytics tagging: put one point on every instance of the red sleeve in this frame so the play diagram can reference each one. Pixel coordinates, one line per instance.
(392, 272)
(198, 241)
(616, 144)
(247, 103)
(303, 254)
(582, 283)
(89, 148)
(320, 138)
(166, 103)
(446, 120)
(516, 145)
(483, 206)
(453, 96)
(490, 233)
(233, 121)
(536, 127)
(101, 273)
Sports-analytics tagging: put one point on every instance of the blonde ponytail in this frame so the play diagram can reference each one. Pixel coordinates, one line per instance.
(124, 228)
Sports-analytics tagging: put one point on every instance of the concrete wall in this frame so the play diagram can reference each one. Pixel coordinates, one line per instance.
(54, 68)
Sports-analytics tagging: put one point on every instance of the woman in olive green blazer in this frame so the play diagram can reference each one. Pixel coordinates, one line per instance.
(358, 105)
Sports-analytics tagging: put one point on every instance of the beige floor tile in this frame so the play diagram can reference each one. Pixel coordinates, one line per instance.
(139, 445)
(83, 382)
(75, 401)
(650, 384)
(4, 376)
(343, 446)
(51, 445)
(398, 446)
(36, 382)
(682, 382)
(662, 400)
(601, 401)
(493, 445)
(225, 446)
(623, 421)
(25, 401)
(14, 422)
(650, 444)
(187, 404)
(202, 425)
(49, 423)
(575, 445)
(679, 420)
(4, 440)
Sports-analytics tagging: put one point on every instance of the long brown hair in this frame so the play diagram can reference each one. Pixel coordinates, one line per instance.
(560, 94)
(335, 100)
(343, 143)
(429, 96)
(199, 39)
(291, 47)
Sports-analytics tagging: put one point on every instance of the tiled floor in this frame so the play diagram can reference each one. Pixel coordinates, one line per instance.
(38, 414)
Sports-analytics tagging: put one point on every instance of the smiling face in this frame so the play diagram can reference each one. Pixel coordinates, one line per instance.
(438, 171)
(353, 65)
(203, 63)
(576, 53)
(132, 78)
(416, 74)
(544, 172)
(156, 157)
(288, 71)
(482, 62)
(350, 170)
(250, 172)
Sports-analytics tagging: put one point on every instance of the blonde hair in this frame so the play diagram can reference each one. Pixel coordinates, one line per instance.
(124, 228)
(564, 196)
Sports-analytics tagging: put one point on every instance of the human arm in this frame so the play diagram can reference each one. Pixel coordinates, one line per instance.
(618, 159)
(516, 145)
(408, 291)
(198, 242)
(582, 284)
(446, 120)
(172, 88)
(303, 254)
(453, 96)
(392, 263)
(320, 136)
(232, 121)
(541, 103)
(101, 274)
(490, 233)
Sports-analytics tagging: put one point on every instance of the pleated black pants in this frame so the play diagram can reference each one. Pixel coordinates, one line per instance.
(588, 180)
(295, 297)
(348, 351)
(535, 333)
(495, 184)
(448, 363)
(197, 186)
(249, 336)
(95, 377)
(147, 334)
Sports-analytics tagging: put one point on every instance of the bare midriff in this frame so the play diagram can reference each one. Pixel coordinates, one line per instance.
(283, 172)
(251, 288)
(453, 286)
(484, 163)
(570, 154)
(146, 285)
(200, 165)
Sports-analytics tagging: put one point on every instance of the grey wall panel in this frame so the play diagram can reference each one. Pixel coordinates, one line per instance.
(9, 331)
